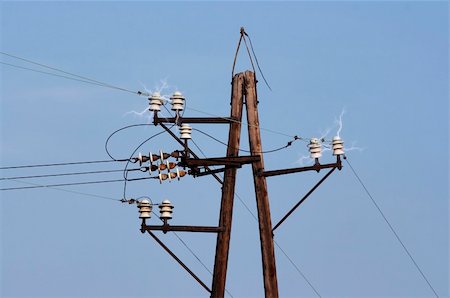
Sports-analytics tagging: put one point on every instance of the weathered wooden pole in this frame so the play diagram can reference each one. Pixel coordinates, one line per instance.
(262, 198)
(226, 207)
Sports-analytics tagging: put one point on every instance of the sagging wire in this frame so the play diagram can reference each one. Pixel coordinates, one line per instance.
(242, 37)
(116, 131)
(289, 143)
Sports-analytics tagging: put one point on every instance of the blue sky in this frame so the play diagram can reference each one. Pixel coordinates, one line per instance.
(385, 63)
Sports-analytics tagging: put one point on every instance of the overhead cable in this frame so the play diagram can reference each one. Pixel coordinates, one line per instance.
(71, 75)
(74, 183)
(68, 190)
(61, 164)
(391, 227)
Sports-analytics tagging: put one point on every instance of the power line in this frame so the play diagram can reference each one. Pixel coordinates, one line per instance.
(102, 84)
(61, 164)
(297, 269)
(50, 73)
(244, 150)
(64, 174)
(69, 191)
(74, 183)
(125, 172)
(256, 59)
(243, 122)
(391, 227)
(72, 75)
(116, 131)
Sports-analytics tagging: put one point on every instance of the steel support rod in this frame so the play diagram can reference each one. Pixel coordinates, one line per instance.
(190, 151)
(316, 167)
(262, 197)
(179, 261)
(303, 199)
(226, 205)
(170, 228)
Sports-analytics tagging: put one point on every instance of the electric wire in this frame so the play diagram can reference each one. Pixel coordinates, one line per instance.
(64, 174)
(116, 131)
(73, 183)
(51, 74)
(245, 150)
(256, 60)
(72, 75)
(250, 56)
(243, 122)
(256, 219)
(101, 84)
(125, 172)
(68, 190)
(61, 164)
(391, 227)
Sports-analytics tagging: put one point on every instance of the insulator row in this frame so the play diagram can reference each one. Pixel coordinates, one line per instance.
(156, 100)
(315, 147)
(155, 157)
(165, 209)
(172, 175)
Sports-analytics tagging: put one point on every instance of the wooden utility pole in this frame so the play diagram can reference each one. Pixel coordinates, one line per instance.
(262, 198)
(226, 207)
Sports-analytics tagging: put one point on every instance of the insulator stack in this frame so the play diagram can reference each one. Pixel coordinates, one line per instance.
(142, 158)
(185, 132)
(167, 166)
(338, 146)
(165, 210)
(145, 209)
(315, 148)
(177, 101)
(155, 102)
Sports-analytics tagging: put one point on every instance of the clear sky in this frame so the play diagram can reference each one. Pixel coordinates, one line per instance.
(385, 63)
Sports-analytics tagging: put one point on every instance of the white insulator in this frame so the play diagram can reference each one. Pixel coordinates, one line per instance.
(177, 101)
(315, 148)
(185, 132)
(145, 209)
(338, 146)
(155, 102)
(165, 210)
